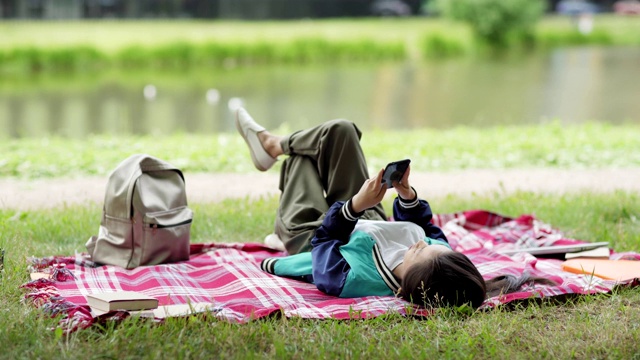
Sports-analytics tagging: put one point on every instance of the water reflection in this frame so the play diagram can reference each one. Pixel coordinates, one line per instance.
(574, 85)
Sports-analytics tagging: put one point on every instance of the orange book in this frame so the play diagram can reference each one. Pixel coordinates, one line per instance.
(619, 270)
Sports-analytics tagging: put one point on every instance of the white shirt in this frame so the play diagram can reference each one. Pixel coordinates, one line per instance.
(394, 238)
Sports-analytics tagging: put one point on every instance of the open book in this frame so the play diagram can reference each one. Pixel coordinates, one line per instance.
(121, 300)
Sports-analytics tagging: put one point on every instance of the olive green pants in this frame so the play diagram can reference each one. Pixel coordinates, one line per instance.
(325, 164)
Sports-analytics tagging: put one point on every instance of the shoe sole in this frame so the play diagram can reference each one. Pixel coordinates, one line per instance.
(253, 156)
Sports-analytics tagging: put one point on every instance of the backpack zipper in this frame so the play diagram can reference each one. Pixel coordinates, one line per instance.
(160, 226)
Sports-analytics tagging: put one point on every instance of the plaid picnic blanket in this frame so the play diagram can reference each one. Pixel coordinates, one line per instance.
(228, 275)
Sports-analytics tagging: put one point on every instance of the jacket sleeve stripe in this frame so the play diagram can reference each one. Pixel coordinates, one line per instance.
(347, 213)
(384, 271)
(407, 204)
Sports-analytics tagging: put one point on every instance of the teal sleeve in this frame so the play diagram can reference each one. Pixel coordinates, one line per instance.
(292, 266)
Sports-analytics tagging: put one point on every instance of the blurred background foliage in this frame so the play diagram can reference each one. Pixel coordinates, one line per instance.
(497, 22)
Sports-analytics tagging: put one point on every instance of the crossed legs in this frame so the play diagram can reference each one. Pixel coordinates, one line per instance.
(325, 164)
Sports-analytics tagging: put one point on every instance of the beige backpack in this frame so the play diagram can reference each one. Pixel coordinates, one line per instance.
(145, 219)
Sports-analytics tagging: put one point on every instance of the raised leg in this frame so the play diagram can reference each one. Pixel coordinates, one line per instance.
(326, 164)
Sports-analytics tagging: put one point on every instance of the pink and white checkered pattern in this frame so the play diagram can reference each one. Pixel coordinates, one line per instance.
(229, 276)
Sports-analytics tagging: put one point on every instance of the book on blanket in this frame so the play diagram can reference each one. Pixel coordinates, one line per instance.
(121, 300)
(619, 270)
(597, 253)
(547, 251)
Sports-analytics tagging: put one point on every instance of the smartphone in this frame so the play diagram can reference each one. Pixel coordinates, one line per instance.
(395, 171)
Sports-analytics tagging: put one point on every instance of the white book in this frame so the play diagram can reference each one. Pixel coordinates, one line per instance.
(557, 249)
(601, 253)
(121, 300)
(166, 311)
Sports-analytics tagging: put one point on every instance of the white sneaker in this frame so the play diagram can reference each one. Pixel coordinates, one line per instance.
(249, 130)
(273, 241)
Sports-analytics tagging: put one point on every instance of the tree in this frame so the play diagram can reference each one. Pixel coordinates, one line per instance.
(498, 22)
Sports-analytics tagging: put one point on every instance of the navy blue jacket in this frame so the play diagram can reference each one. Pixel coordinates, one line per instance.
(349, 264)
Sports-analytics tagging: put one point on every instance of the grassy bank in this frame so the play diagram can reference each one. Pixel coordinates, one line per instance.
(591, 145)
(91, 46)
(585, 327)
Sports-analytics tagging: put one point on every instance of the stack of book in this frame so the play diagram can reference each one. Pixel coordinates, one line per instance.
(143, 305)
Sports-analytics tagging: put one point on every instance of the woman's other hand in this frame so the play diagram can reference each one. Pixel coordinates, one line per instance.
(403, 188)
(370, 194)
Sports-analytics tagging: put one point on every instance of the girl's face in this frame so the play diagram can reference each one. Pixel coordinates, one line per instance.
(420, 252)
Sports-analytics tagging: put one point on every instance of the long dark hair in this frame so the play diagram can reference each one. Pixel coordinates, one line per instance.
(451, 279)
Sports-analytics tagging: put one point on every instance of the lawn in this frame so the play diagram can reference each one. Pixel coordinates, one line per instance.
(552, 144)
(114, 35)
(89, 46)
(603, 326)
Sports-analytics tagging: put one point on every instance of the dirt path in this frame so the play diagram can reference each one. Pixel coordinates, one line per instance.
(203, 188)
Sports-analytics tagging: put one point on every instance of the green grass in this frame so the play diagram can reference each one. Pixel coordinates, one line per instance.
(585, 327)
(113, 36)
(592, 145)
(89, 46)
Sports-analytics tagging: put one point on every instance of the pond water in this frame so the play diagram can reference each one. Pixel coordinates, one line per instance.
(572, 85)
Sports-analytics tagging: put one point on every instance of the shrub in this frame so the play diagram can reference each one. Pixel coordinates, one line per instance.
(498, 22)
(437, 44)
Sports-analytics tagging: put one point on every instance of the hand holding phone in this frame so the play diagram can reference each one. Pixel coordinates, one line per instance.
(370, 194)
(395, 171)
